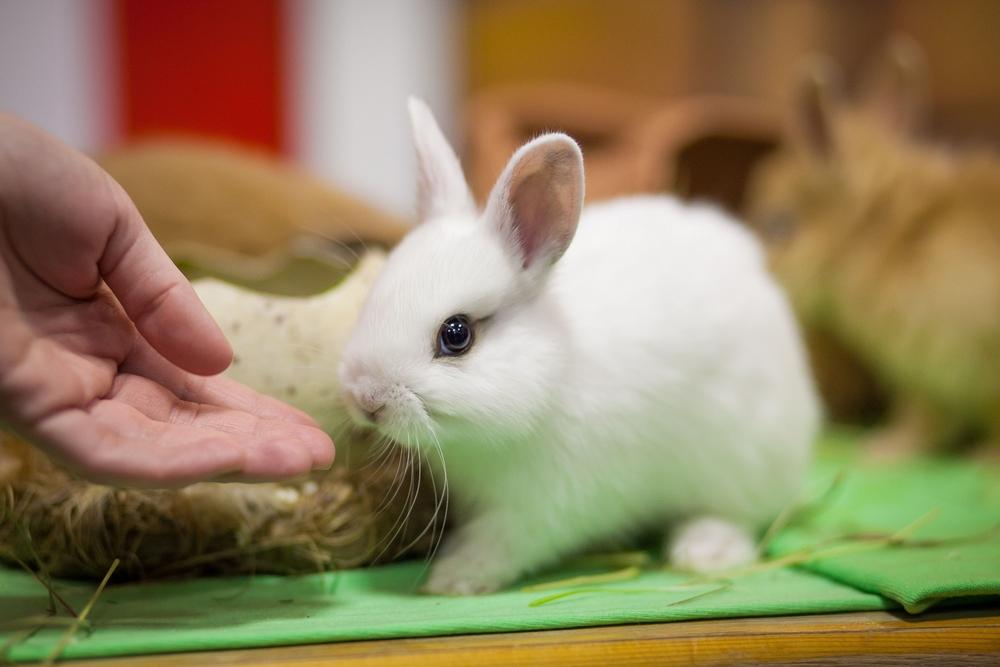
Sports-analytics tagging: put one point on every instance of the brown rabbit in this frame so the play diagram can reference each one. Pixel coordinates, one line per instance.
(894, 248)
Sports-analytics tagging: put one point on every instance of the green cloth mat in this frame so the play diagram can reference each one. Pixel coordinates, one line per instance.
(953, 506)
(382, 603)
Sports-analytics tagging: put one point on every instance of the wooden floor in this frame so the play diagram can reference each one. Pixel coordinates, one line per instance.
(969, 637)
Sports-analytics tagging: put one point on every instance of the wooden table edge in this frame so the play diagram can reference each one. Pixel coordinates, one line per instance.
(966, 636)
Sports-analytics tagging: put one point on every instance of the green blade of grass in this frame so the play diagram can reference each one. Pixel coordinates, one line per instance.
(623, 574)
(548, 599)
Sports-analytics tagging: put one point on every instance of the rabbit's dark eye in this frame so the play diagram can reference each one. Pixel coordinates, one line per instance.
(455, 336)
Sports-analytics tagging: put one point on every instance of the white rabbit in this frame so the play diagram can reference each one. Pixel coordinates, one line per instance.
(647, 376)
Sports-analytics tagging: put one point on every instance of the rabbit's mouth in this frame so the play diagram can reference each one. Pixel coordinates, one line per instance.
(397, 412)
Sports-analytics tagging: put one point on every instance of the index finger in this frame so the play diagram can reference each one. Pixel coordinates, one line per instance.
(159, 299)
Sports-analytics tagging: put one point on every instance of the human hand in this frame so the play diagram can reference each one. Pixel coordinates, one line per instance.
(105, 350)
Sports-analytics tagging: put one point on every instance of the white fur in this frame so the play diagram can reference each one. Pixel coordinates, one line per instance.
(707, 544)
(441, 187)
(653, 375)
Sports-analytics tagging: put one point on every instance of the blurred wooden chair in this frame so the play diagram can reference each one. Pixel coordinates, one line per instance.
(602, 121)
(697, 147)
(704, 147)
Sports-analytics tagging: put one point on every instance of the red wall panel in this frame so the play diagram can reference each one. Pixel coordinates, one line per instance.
(211, 67)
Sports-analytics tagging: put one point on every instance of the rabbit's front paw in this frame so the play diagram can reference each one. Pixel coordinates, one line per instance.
(444, 582)
(473, 562)
(459, 576)
(710, 545)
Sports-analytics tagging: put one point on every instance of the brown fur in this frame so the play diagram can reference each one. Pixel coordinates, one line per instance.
(894, 248)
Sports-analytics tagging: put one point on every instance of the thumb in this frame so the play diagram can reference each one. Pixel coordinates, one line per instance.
(159, 299)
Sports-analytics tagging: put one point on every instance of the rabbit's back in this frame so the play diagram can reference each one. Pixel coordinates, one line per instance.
(693, 357)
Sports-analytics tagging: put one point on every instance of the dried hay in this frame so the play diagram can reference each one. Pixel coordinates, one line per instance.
(344, 517)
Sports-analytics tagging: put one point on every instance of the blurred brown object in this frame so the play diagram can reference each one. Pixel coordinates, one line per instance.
(850, 392)
(239, 212)
(704, 147)
(500, 120)
(891, 247)
(700, 147)
(750, 48)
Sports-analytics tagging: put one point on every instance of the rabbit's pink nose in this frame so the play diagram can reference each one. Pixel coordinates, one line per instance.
(367, 404)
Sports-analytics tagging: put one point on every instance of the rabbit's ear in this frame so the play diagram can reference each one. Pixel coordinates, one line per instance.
(441, 186)
(895, 87)
(816, 97)
(537, 201)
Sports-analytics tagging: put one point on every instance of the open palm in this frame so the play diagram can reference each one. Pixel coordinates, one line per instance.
(106, 355)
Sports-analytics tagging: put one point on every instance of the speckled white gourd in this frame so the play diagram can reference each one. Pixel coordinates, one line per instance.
(289, 347)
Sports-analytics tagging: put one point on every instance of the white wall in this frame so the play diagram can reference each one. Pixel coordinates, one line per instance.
(354, 62)
(56, 67)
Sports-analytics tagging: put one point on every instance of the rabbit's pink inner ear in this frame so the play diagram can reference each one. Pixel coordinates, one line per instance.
(544, 199)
